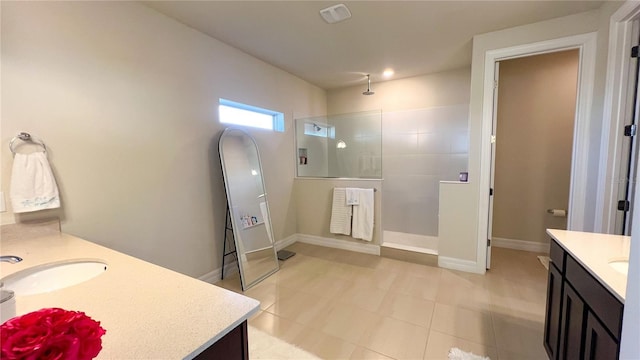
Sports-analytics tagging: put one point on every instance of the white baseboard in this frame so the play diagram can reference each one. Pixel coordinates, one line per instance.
(283, 243)
(211, 277)
(458, 264)
(339, 244)
(214, 276)
(520, 245)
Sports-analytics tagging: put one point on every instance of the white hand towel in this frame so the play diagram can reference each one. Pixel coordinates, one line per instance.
(340, 213)
(33, 186)
(353, 196)
(363, 216)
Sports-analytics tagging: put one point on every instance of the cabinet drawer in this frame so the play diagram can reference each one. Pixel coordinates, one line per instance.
(556, 254)
(599, 299)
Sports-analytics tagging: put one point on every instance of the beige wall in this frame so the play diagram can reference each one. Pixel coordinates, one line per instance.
(419, 92)
(126, 100)
(535, 119)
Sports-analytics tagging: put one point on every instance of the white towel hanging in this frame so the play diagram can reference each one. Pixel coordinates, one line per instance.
(33, 186)
(353, 196)
(340, 213)
(362, 227)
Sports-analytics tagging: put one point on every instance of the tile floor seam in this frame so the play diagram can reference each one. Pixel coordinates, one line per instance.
(407, 322)
(426, 343)
(287, 319)
(379, 353)
(457, 334)
(463, 339)
(348, 342)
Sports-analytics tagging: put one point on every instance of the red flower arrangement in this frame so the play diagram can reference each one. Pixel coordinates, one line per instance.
(51, 334)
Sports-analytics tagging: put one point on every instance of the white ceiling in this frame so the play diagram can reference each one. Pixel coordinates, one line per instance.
(412, 37)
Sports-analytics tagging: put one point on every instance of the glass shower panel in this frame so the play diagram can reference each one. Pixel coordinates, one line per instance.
(340, 146)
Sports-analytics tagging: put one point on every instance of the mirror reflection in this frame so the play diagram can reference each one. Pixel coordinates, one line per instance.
(248, 206)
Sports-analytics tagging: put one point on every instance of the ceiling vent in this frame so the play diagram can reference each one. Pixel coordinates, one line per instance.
(335, 13)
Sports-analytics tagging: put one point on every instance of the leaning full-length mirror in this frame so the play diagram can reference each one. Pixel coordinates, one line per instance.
(248, 206)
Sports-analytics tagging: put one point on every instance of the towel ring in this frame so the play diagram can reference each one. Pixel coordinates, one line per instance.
(26, 137)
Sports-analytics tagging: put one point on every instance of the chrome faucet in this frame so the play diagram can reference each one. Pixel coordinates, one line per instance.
(10, 259)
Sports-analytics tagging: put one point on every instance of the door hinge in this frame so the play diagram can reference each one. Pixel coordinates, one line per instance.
(634, 52)
(495, 84)
(490, 191)
(623, 205)
(493, 139)
(488, 242)
(630, 130)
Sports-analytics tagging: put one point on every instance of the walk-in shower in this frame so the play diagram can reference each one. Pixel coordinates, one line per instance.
(410, 151)
(420, 148)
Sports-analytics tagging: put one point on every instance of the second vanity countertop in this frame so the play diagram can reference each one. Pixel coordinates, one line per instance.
(594, 251)
(149, 312)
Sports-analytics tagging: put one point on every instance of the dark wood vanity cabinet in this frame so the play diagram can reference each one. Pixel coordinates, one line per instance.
(583, 319)
(232, 346)
(599, 344)
(554, 299)
(571, 325)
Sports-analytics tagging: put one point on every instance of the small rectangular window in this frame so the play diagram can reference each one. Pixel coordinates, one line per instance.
(235, 113)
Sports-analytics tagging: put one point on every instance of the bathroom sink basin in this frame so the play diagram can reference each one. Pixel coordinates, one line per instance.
(620, 265)
(53, 276)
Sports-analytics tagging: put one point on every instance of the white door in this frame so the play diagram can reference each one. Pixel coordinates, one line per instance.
(493, 161)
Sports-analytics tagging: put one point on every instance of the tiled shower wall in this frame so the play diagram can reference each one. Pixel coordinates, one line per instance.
(420, 148)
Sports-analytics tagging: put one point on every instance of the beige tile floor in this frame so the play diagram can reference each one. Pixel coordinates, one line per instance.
(343, 305)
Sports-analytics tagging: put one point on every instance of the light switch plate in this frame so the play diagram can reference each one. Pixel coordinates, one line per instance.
(3, 208)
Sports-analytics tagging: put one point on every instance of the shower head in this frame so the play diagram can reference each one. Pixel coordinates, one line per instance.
(368, 92)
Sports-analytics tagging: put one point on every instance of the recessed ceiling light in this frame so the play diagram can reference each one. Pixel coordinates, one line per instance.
(388, 73)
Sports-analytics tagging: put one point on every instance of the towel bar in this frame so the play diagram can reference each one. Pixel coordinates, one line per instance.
(375, 190)
(26, 137)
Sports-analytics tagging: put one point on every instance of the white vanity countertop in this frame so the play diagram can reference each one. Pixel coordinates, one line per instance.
(148, 311)
(594, 251)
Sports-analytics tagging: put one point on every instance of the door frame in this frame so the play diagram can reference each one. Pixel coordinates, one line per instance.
(615, 107)
(615, 96)
(492, 166)
(586, 44)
